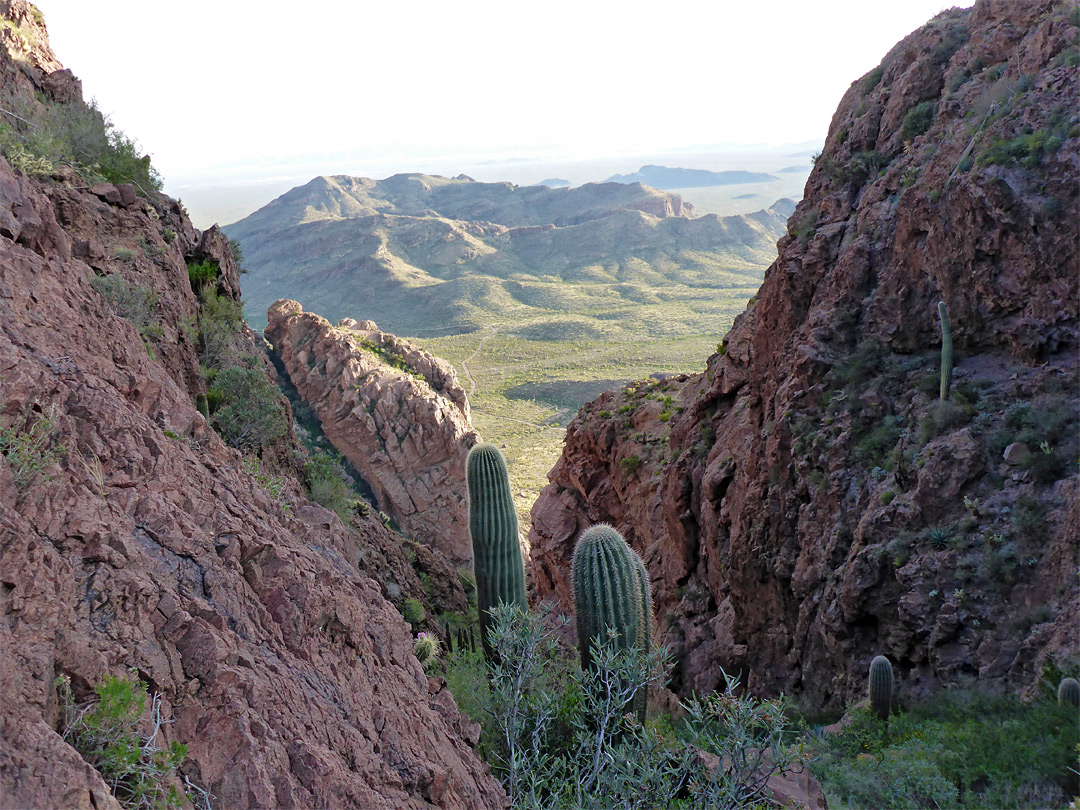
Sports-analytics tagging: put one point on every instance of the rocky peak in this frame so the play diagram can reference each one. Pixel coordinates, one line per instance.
(394, 411)
(806, 503)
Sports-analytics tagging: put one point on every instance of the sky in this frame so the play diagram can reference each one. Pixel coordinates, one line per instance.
(228, 88)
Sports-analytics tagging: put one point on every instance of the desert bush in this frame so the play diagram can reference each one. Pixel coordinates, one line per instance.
(561, 738)
(132, 302)
(326, 485)
(964, 748)
(917, 120)
(29, 445)
(113, 736)
(76, 135)
(248, 414)
(201, 274)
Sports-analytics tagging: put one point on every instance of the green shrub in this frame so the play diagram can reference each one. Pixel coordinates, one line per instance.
(413, 612)
(29, 446)
(272, 485)
(75, 135)
(249, 415)
(966, 749)
(113, 736)
(220, 323)
(201, 274)
(132, 302)
(326, 484)
(917, 120)
(559, 738)
(871, 80)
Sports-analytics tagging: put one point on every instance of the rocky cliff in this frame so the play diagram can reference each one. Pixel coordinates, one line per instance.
(807, 502)
(134, 541)
(394, 411)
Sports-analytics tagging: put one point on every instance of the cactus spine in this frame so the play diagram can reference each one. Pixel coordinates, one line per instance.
(611, 594)
(881, 686)
(1069, 692)
(493, 529)
(946, 351)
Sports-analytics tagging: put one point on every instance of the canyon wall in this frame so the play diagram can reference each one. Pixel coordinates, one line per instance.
(806, 503)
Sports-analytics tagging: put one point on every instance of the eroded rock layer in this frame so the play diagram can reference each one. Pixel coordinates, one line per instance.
(806, 503)
(393, 410)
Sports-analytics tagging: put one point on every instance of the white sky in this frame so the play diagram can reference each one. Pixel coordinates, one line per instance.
(205, 84)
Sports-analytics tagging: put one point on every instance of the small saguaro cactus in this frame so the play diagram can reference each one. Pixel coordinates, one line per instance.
(493, 528)
(1069, 692)
(611, 595)
(946, 351)
(203, 406)
(881, 686)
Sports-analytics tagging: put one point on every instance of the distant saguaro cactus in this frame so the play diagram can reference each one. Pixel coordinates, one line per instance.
(881, 686)
(946, 351)
(1069, 692)
(611, 594)
(202, 406)
(493, 528)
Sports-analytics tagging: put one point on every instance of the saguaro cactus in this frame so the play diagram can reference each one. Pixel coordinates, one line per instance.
(611, 594)
(493, 528)
(946, 351)
(1069, 692)
(881, 686)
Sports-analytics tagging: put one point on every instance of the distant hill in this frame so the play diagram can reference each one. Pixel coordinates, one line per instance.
(793, 169)
(554, 182)
(663, 177)
(425, 255)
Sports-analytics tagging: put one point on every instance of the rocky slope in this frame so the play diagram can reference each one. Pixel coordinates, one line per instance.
(428, 256)
(806, 503)
(134, 541)
(394, 411)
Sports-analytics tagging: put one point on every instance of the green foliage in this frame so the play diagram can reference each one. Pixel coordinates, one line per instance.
(38, 137)
(220, 323)
(873, 448)
(917, 120)
(630, 463)
(29, 445)
(413, 612)
(946, 352)
(202, 405)
(132, 302)
(113, 736)
(1029, 149)
(272, 485)
(871, 80)
(324, 477)
(493, 529)
(881, 686)
(559, 738)
(963, 749)
(202, 274)
(249, 415)
(238, 255)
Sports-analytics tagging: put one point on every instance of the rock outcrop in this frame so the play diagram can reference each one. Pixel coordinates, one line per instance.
(806, 503)
(393, 410)
(134, 542)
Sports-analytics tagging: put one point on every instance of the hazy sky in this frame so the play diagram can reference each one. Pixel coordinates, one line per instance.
(205, 85)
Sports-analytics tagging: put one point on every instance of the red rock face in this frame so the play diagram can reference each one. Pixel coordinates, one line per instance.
(394, 411)
(784, 499)
(143, 547)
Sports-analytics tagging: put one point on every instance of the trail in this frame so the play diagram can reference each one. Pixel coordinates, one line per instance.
(465, 363)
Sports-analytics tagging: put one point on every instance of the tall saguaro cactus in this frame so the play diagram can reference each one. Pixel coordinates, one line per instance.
(493, 529)
(881, 686)
(611, 595)
(946, 351)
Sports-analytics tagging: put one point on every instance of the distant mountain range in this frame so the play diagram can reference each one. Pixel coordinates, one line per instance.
(555, 182)
(427, 255)
(663, 177)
